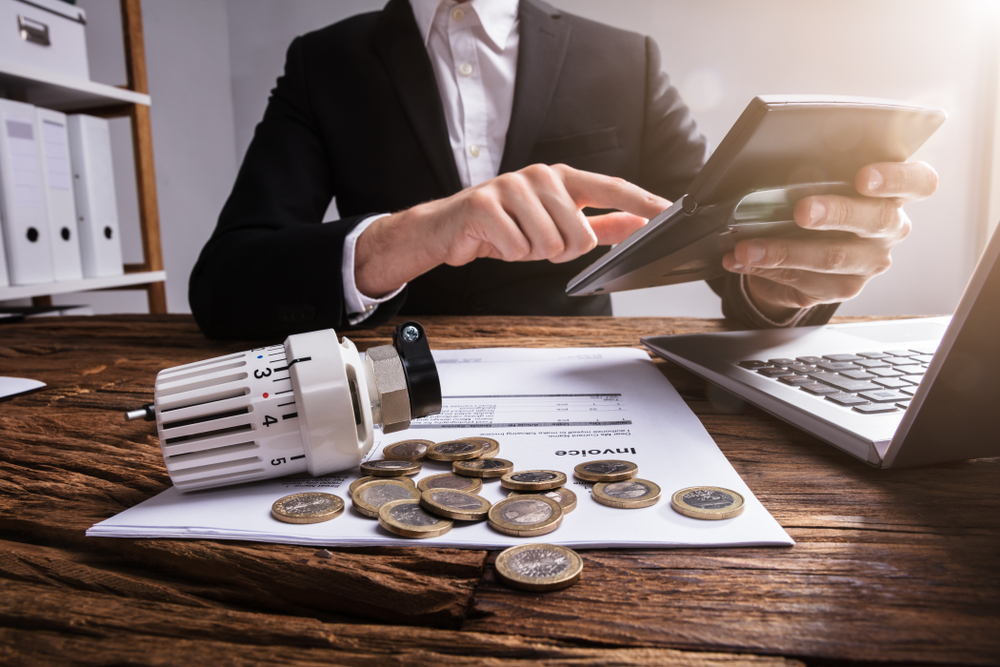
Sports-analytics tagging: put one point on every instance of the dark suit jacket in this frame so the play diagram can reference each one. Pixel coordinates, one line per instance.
(357, 116)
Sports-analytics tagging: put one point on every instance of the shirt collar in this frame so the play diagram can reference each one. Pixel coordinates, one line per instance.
(497, 16)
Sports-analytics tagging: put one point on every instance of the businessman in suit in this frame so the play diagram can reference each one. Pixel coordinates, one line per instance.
(480, 153)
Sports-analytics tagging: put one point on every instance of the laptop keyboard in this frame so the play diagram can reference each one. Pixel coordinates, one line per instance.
(866, 382)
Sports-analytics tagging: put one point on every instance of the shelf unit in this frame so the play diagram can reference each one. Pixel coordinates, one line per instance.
(72, 95)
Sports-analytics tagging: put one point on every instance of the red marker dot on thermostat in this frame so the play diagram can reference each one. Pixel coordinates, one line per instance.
(265, 394)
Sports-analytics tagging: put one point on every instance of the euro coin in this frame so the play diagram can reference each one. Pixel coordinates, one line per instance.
(628, 494)
(384, 468)
(459, 505)
(310, 507)
(490, 446)
(525, 516)
(409, 519)
(482, 467)
(533, 480)
(369, 497)
(407, 450)
(447, 480)
(539, 567)
(562, 495)
(455, 450)
(608, 470)
(708, 502)
(361, 480)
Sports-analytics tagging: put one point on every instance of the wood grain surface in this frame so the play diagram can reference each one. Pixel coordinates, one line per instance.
(897, 567)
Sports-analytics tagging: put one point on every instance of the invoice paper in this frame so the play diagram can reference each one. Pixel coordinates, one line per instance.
(549, 409)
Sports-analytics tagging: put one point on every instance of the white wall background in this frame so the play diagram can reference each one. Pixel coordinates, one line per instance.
(212, 63)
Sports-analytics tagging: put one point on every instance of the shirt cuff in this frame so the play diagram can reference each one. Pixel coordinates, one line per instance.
(359, 306)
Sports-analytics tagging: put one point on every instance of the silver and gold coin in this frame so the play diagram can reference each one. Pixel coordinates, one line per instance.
(460, 505)
(309, 507)
(368, 478)
(390, 468)
(369, 497)
(407, 450)
(490, 446)
(409, 519)
(455, 450)
(448, 480)
(525, 516)
(533, 480)
(628, 494)
(539, 567)
(708, 502)
(609, 470)
(482, 467)
(562, 495)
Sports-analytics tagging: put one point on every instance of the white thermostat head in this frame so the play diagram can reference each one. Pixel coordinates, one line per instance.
(309, 405)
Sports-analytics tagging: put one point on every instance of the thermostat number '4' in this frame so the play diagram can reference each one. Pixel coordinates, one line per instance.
(275, 399)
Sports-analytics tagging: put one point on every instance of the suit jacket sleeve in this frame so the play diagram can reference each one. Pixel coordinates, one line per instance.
(271, 268)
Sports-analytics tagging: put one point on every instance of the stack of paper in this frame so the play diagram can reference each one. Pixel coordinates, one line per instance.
(549, 409)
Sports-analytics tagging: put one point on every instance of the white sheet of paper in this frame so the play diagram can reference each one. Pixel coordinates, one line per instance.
(549, 409)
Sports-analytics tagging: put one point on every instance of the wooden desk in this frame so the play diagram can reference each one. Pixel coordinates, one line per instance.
(890, 566)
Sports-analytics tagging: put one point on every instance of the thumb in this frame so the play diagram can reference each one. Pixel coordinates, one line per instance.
(612, 228)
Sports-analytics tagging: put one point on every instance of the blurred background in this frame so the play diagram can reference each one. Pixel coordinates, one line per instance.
(212, 63)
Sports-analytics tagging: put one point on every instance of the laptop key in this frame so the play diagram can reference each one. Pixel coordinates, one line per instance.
(876, 408)
(846, 399)
(781, 362)
(923, 358)
(909, 391)
(872, 363)
(886, 372)
(929, 350)
(837, 366)
(842, 383)
(915, 369)
(884, 396)
(753, 364)
(857, 375)
(810, 360)
(900, 353)
(897, 361)
(802, 368)
(818, 389)
(872, 355)
(892, 383)
(774, 372)
(903, 404)
(797, 380)
(841, 357)
(915, 379)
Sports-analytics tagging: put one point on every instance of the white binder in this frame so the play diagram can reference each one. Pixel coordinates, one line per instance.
(94, 185)
(22, 196)
(57, 176)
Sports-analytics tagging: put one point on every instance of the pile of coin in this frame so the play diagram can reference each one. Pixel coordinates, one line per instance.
(617, 485)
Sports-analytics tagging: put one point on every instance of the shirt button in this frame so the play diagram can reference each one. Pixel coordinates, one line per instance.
(474, 150)
(458, 13)
(465, 69)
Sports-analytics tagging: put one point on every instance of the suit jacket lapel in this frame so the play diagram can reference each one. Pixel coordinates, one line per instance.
(544, 39)
(398, 44)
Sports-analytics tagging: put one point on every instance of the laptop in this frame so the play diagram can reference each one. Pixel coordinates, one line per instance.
(892, 393)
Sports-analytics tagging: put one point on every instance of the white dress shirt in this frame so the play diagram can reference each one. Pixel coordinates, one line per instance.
(473, 49)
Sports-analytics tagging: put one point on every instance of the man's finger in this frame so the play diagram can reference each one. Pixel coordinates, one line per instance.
(840, 254)
(792, 288)
(612, 228)
(864, 216)
(599, 191)
(907, 181)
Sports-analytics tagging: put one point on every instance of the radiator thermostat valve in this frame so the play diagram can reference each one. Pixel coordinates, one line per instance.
(309, 405)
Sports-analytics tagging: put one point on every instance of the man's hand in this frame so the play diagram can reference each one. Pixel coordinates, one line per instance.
(531, 214)
(786, 274)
